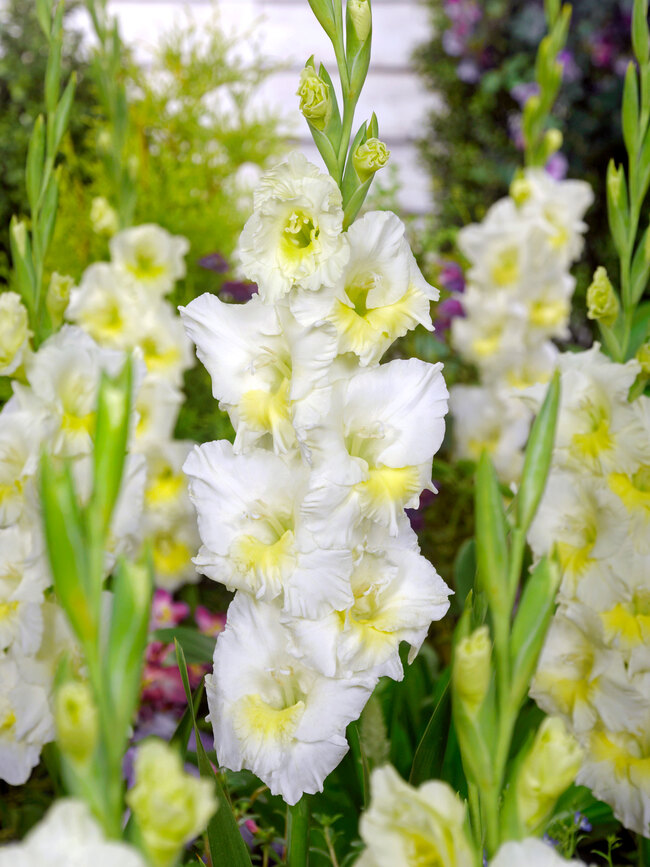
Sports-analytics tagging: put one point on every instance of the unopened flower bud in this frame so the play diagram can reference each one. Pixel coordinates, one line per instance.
(58, 296)
(643, 357)
(615, 182)
(552, 142)
(103, 217)
(471, 668)
(76, 721)
(370, 157)
(547, 771)
(602, 302)
(361, 18)
(520, 189)
(14, 332)
(170, 806)
(315, 99)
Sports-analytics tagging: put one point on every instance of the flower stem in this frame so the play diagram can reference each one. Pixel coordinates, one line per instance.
(298, 833)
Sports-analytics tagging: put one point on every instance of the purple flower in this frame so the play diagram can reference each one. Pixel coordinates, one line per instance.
(451, 276)
(447, 310)
(463, 15)
(570, 69)
(521, 92)
(582, 822)
(468, 71)
(238, 291)
(558, 166)
(215, 262)
(602, 50)
(165, 612)
(417, 516)
(515, 130)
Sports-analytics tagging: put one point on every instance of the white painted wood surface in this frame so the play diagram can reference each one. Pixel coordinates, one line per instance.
(287, 31)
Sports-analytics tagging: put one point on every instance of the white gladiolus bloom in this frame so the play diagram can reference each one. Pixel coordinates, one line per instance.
(410, 827)
(561, 206)
(294, 237)
(617, 770)
(485, 421)
(254, 535)
(583, 520)
(107, 307)
(22, 583)
(63, 379)
(272, 713)
(26, 722)
(157, 405)
(381, 294)
(267, 371)
(372, 456)
(397, 593)
(14, 333)
(166, 496)
(531, 852)
(166, 350)
(150, 256)
(69, 836)
(21, 434)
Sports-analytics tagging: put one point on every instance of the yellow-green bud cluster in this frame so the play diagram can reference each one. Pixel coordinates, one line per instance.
(602, 302)
(76, 721)
(471, 671)
(370, 157)
(315, 99)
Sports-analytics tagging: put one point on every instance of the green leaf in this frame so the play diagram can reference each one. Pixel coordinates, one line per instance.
(124, 653)
(537, 460)
(44, 15)
(640, 39)
(631, 109)
(640, 268)
(351, 179)
(324, 13)
(356, 201)
(35, 162)
(111, 436)
(197, 647)
(617, 206)
(21, 254)
(491, 528)
(225, 842)
(66, 548)
(44, 227)
(430, 752)
(185, 725)
(531, 625)
(465, 570)
(53, 73)
(360, 762)
(640, 327)
(61, 116)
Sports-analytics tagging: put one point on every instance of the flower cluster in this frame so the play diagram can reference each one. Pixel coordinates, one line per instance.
(121, 305)
(429, 825)
(52, 410)
(595, 666)
(517, 300)
(304, 514)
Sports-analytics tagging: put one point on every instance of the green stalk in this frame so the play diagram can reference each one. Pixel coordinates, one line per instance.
(298, 833)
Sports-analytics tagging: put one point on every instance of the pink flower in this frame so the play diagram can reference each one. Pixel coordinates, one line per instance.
(165, 612)
(208, 623)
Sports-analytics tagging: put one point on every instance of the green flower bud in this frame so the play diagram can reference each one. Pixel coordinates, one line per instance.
(370, 157)
(546, 772)
(520, 189)
(361, 17)
(315, 99)
(170, 806)
(602, 302)
(58, 296)
(76, 721)
(643, 357)
(103, 218)
(471, 668)
(552, 142)
(14, 332)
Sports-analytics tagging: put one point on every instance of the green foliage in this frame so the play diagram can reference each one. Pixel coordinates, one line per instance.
(471, 143)
(23, 61)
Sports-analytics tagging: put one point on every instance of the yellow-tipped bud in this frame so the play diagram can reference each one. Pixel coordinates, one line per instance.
(520, 189)
(361, 18)
(602, 302)
(58, 296)
(547, 771)
(315, 99)
(14, 332)
(170, 806)
(471, 669)
(643, 357)
(552, 142)
(103, 218)
(370, 157)
(76, 721)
